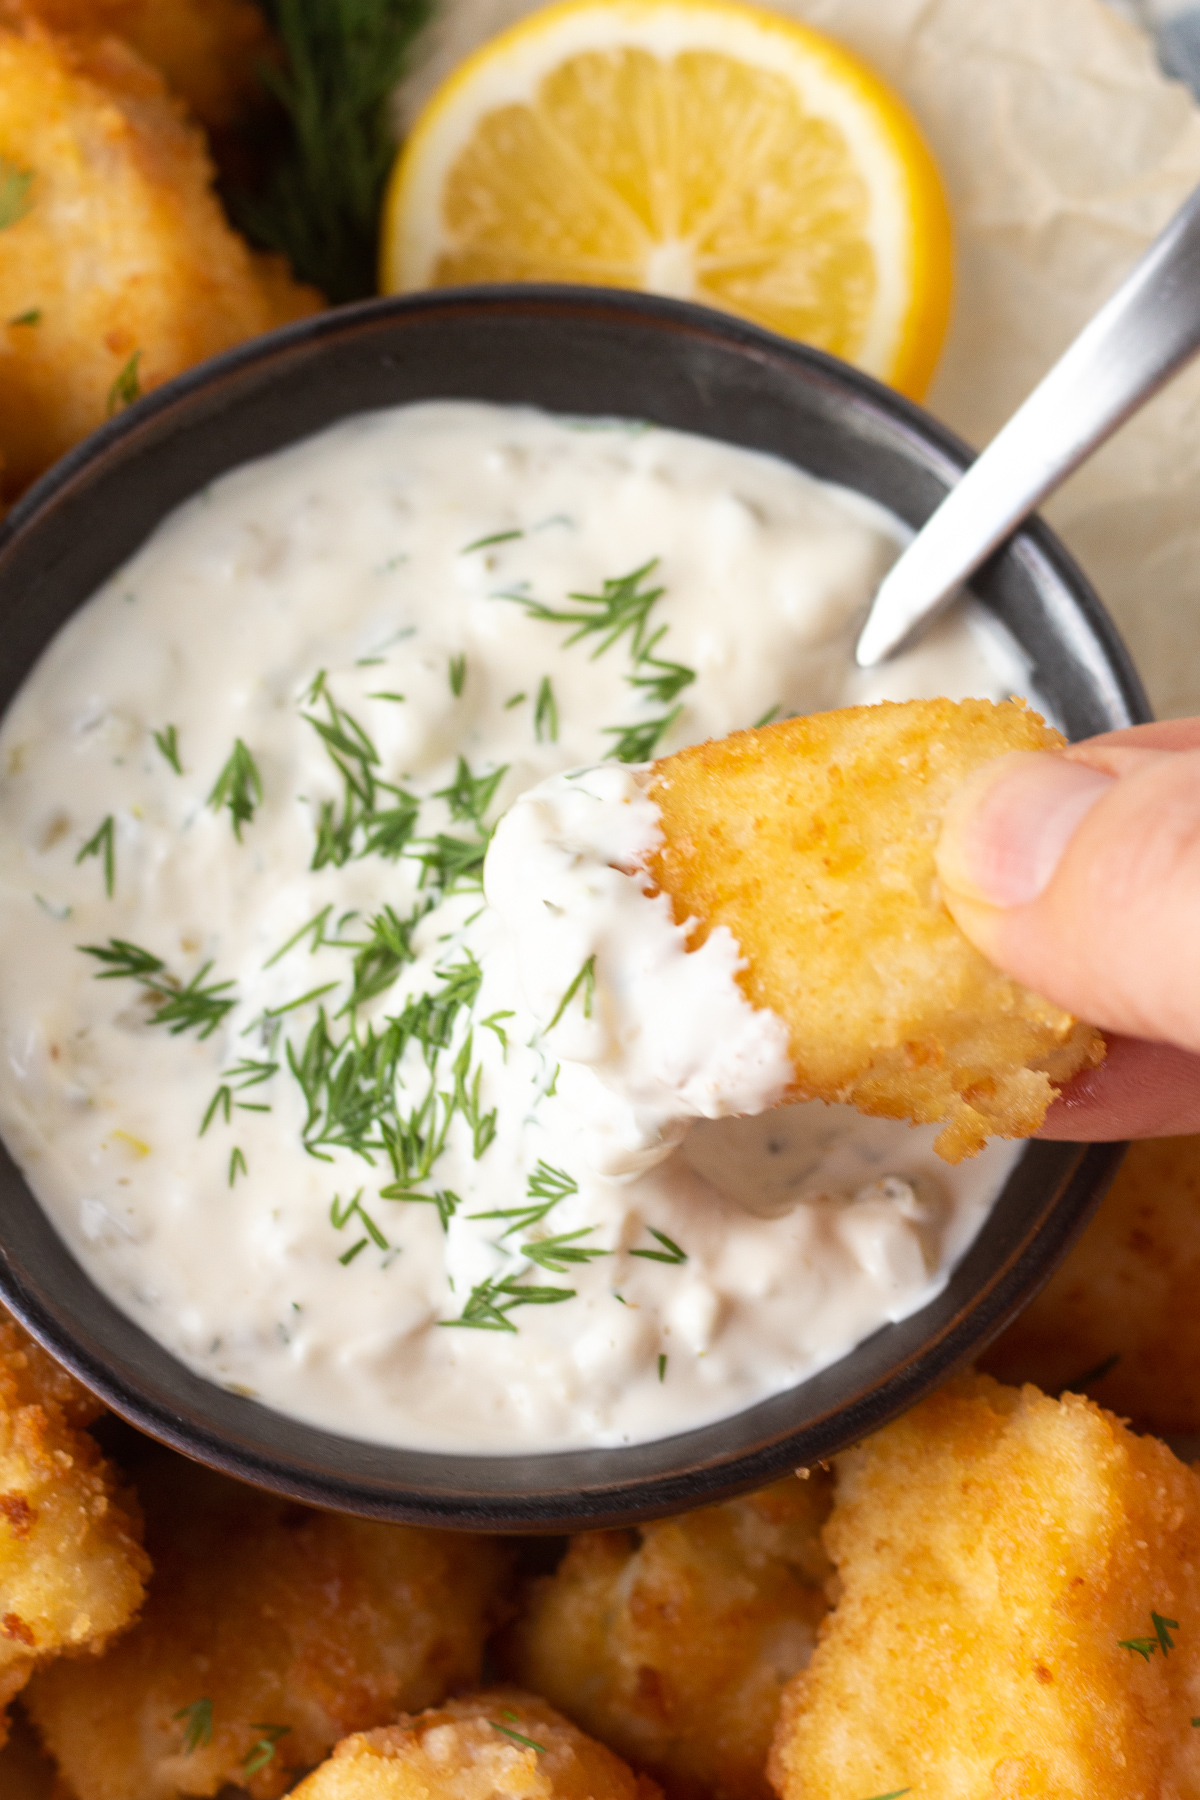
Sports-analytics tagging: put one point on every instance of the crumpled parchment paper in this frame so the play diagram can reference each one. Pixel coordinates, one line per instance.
(1064, 150)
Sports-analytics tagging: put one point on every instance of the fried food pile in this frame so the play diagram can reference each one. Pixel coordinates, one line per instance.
(271, 1631)
(813, 841)
(1119, 1317)
(1019, 1611)
(118, 268)
(72, 1567)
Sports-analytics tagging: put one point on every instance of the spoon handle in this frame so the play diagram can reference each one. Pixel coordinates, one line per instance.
(1132, 347)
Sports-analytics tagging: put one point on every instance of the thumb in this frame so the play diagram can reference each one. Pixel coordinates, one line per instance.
(1078, 873)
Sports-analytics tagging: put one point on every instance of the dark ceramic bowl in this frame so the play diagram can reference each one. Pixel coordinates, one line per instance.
(579, 351)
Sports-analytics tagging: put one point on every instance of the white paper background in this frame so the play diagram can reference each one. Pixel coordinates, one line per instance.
(1064, 150)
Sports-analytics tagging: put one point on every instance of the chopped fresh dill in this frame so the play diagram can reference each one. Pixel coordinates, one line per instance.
(316, 925)
(179, 1007)
(547, 1185)
(587, 978)
(451, 863)
(380, 958)
(237, 1165)
(1162, 1639)
(517, 1736)
(466, 1098)
(670, 1252)
(497, 537)
(385, 694)
(895, 1794)
(458, 675)
(469, 796)
(168, 742)
(446, 1202)
(771, 713)
(545, 715)
(320, 198)
(491, 1023)
(622, 605)
(32, 317)
(261, 1753)
(15, 200)
(662, 1366)
(61, 912)
(671, 677)
(557, 1253)
(277, 1012)
(103, 845)
(514, 700)
(198, 1725)
(221, 1101)
(638, 743)
(362, 827)
(238, 787)
(490, 1303)
(339, 1217)
(126, 388)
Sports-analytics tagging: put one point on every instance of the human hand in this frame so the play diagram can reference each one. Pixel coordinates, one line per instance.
(1078, 873)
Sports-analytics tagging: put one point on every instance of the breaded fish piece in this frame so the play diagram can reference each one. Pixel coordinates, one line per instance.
(37, 1380)
(271, 1631)
(208, 51)
(813, 841)
(118, 268)
(72, 1568)
(1119, 1317)
(498, 1745)
(672, 1643)
(1019, 1614)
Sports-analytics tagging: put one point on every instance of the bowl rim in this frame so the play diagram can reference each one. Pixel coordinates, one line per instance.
(561, 1503)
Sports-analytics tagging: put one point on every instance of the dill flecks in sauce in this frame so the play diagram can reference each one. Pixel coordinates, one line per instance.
(269, 1066)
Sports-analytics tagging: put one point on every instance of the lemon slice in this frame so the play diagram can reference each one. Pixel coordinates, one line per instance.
(699, 148)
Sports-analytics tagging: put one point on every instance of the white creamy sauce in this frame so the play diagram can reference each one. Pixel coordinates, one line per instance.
(409, 1168)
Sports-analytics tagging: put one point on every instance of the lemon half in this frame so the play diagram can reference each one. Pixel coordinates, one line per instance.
(698, 148)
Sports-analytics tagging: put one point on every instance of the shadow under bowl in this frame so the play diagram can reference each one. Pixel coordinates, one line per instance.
(578, 351)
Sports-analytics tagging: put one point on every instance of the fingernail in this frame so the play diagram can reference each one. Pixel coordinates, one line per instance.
(1007, 827)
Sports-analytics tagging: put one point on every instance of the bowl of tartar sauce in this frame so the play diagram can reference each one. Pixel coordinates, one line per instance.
(292, 1174)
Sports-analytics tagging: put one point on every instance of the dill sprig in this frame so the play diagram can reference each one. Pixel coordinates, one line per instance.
(126, 388)
(670, 1252)
(238, 787)
(261, 1753)
(1162, 1639)
(458, 675)
(548, 1186)
(662, 1366)
(638, 743)
(469, 796)
(15, 198)
(197, 1725)
(381, 956)
(180, 1007)
(496, 537)
(168, 742)
(557, 1253)
(237, 1164)
(545, 715)
(339, 1218)
(622, 605)
(518, 1737)
(453, 862)
(320, 202)
(669, 679)
(490, 1303)
(586, 979)
(446, 1202)
(103, 845)
(362, 827)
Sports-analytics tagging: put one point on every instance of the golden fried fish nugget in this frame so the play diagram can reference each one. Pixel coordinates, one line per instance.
(813, 842)
(72, 1569)
(118, 268)
(271, 1630)
(209, 51)
(1019, 1614)
(39, 1380)
(1119, 1316)
(672, 1643)
(498, 1745)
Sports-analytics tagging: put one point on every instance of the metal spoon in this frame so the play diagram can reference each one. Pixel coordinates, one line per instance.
(1137, 341)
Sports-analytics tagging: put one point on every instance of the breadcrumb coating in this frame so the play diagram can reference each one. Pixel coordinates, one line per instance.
(208, 51)
(264, 1615)
(672, 1643)
(72, 1569)
(813, 841)
(37, 1380)
(1019, 1614)
(470, 1749)
(1119, 1316)
(118, 268)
